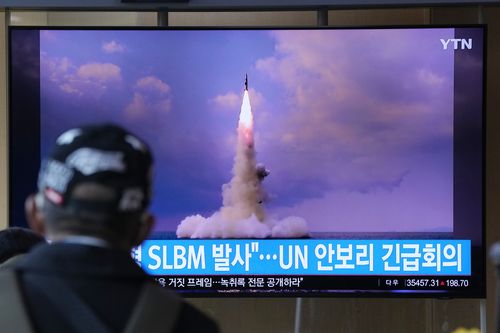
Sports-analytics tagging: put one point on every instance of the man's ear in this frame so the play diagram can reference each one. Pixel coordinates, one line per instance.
(34, 215)
(145, 227)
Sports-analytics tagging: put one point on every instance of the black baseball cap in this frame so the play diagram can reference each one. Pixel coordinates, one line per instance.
(105, 157)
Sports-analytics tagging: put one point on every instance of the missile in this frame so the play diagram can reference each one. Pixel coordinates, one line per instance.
(246, 81)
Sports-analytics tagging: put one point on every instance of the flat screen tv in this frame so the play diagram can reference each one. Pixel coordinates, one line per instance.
(288, 162)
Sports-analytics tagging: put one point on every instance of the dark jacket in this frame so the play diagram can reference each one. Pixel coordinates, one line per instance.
(107, 280)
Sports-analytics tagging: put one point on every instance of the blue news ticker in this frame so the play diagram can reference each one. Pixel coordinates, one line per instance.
(304, 257)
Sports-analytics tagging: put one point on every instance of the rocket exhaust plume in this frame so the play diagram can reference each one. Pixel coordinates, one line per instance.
(242, 214)
(241, 196)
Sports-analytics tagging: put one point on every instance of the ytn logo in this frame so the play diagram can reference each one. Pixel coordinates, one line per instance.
(458, 44)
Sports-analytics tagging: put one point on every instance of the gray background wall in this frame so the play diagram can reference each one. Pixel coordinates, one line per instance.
(325, 314)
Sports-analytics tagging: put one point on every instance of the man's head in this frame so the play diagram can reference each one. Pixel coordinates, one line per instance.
(97, 183)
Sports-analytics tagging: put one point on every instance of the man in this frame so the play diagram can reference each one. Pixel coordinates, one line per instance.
(15, 242)
(94, 191)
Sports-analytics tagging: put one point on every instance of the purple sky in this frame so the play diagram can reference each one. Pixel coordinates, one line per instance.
(355, 125)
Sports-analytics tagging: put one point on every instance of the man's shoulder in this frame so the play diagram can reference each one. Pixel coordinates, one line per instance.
(191, 319)
(120, 277)
(186, 317)
(73, 260)
(13, 314)
(149, 313)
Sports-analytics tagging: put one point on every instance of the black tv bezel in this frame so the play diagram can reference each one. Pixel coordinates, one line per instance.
(24, 161)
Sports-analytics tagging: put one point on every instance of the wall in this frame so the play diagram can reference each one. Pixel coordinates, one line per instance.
(492, 152)
(319, 315)
(3, 124)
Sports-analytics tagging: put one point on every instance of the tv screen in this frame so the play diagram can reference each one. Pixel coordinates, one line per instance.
(288, 162)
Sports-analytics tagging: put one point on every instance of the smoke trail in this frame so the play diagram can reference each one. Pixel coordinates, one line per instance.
(241, 214)
(241, 196)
